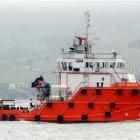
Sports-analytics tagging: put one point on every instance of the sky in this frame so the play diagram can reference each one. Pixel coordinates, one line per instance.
(32, 32)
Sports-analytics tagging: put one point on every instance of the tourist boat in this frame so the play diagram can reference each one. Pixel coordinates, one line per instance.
(92, 87)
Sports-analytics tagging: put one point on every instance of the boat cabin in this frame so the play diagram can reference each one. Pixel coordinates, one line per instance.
(80, 67)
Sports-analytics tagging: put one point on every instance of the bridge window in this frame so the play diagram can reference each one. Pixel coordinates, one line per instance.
(106, 65)
(91, 64)
(112, 64)
(101, 64)
(97, 64)
(70, 66)
(79, 60)
(64, 66)
(87, 64)
(120, 65)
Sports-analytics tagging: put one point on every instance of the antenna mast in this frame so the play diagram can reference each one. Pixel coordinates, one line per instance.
(87, 16)
(88, 49)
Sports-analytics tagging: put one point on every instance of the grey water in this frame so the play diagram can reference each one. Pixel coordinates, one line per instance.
(23, 130)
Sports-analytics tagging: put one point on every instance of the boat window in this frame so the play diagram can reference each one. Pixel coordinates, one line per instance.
(87, 64)
(120, 65)
(112, 64)
(101, 64)
(123, 65)
(70, 66)
(91, 64)
(97, 66)
(106, 65)
(79, 60)
(64, 66)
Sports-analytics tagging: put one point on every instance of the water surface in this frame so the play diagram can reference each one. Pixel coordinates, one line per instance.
(75, 131)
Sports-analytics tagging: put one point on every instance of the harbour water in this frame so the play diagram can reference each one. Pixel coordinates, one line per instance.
(76, 131)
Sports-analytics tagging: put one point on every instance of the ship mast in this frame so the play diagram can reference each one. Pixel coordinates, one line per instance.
(88, 49)
(87, 16)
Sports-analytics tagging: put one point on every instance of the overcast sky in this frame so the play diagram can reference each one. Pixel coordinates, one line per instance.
(29, 26)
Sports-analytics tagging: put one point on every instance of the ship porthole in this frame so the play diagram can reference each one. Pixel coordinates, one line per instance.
(135, 92)
(84, 117)
(112, 105)
(4, 117)
(90, 105)
(70, 105)
(12, 117)
(107, 114)
(83, 91)
(119, 91)
(49, 105)
(60, 118)
(37, 118)
(98, 92)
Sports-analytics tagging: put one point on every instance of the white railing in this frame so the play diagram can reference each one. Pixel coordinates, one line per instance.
(94, 55)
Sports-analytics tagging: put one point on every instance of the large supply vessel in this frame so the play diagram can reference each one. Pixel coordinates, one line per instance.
(92, 88)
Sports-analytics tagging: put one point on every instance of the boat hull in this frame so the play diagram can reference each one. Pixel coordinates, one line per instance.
(120, 102)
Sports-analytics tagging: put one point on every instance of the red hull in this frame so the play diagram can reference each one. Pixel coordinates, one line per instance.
(117, 103)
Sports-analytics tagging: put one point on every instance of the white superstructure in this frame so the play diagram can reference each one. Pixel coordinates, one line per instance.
(98, 70)
(81, 66)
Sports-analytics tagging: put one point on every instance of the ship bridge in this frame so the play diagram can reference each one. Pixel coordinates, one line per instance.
(80, 65)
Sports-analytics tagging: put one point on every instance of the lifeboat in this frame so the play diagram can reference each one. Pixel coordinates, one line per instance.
(93, 87)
